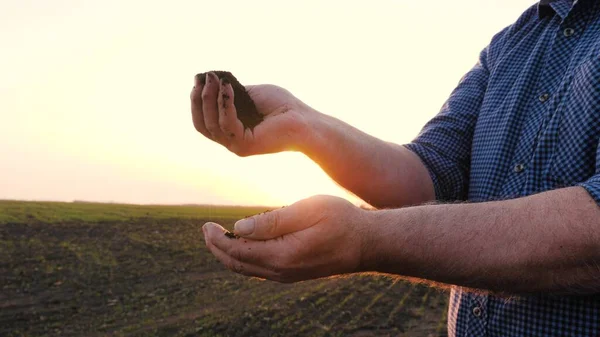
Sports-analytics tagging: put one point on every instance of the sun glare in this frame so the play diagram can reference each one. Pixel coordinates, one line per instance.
(94, 96)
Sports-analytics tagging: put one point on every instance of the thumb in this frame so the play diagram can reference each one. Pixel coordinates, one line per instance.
(273, 224)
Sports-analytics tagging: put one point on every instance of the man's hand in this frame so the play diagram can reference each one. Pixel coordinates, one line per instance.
(383, 174)
(316, 237)
(283, 128)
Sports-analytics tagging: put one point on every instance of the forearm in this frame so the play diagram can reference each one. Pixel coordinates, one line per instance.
(547, 242)
(381, 173)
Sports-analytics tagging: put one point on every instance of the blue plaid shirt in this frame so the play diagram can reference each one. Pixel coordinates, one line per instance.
(524, 120)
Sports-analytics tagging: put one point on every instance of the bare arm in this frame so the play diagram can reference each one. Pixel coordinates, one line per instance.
(436, 165)
(381, 173)
(547, 242)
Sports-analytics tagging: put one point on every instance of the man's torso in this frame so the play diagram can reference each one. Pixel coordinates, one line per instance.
(538, 129)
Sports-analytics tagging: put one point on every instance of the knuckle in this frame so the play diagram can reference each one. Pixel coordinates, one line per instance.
(198, 125)
(238, 267)
(235, 254)
(206, 94)
(284, 276)
(229, 264)
(224, 126)
(235, 266)
(235, 261)
(233, 148)
(285, 107)
(240, 151)
(321, 197)
(274, 222)
(213, 128)
(240, 148)
(279, 276)
(196, 98)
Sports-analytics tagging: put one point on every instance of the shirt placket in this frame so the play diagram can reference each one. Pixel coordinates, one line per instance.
(477, 316)
(543, 103)
(570, 32)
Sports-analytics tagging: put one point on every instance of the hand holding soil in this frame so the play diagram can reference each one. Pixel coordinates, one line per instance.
(313, 238)
(243, 103)
(248, 120)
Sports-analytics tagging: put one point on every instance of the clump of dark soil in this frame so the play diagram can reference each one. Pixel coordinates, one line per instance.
(232, 235)
(244, 105)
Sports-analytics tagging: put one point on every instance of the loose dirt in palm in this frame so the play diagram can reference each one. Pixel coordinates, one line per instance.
(244, 105)
(98, 270)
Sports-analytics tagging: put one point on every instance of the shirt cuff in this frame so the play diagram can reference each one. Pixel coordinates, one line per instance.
(447, 179)
(592, 185)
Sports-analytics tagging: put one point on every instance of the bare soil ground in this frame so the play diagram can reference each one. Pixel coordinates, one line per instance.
(108, 270)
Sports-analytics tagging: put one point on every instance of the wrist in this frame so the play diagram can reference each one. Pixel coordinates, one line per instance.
(387, 245)
(312, 132)
(368, 232)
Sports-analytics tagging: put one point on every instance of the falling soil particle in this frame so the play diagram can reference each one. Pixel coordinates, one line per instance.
(231, 235)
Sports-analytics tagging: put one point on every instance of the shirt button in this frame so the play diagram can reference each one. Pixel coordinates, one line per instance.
(477, 311)
(519, 168)
(569, 31)
(544, 97)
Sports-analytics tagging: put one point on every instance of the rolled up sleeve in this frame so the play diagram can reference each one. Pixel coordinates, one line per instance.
(444, 144)
(592, 185)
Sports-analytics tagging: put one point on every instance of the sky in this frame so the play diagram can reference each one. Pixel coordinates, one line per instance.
(94, 95)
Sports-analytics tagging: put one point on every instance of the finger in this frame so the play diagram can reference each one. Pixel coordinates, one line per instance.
(230, 125)
(263, 253)
(235, 258)
(242, 267)
(273, 224)
(210, 109)
(196, 99)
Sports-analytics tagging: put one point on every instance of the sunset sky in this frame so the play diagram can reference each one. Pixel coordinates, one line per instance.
(94, 95)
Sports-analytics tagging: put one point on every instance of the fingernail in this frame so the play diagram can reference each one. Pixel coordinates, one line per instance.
(206, 227)
(244, 227)
(208, 78)
(224, 81)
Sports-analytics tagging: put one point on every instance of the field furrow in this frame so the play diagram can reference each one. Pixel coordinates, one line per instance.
(118, 270)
